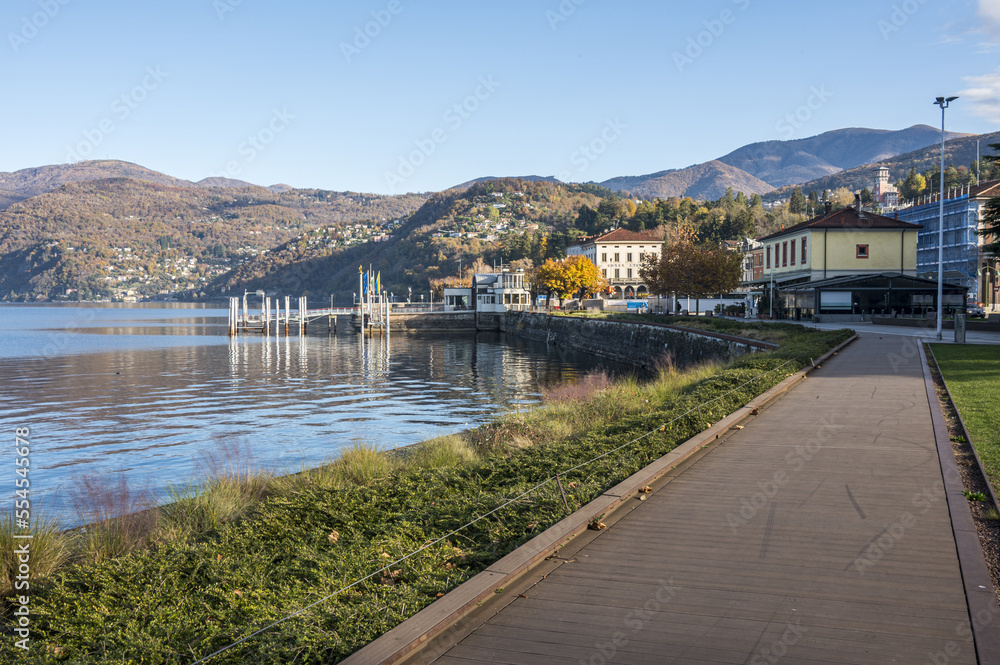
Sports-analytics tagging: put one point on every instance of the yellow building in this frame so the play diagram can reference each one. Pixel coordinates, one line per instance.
(847, 265)
(839, 244)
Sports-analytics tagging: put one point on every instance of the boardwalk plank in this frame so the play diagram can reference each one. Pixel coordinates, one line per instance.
(870, 463)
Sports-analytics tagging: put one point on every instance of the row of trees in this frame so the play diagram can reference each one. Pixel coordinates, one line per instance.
(686, 267)
(733, 216)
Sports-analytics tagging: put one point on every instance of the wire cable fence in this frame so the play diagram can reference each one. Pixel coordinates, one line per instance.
(562, 473)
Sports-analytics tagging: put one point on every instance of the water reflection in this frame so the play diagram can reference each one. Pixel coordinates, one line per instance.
(149, 412)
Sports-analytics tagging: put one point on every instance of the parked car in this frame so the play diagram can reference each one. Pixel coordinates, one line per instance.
(974, 311)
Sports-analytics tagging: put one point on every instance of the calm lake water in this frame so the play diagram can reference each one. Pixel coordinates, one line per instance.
(147, 390)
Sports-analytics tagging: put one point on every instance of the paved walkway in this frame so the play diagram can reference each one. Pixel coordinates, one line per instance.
(818, 534)
(972, 336)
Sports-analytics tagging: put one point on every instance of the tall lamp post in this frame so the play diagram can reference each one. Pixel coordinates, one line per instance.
(943, 103)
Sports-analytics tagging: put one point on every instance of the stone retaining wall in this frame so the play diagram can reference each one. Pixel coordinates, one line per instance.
(642, 345)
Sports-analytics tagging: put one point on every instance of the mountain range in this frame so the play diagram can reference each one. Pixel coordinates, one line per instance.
(760, 168)
(109, 225)
(26, 183)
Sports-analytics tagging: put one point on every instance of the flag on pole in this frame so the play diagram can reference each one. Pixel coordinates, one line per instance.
(364, 285)
(378, 282)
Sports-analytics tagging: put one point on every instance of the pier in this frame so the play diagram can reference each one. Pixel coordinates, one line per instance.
(276, 315)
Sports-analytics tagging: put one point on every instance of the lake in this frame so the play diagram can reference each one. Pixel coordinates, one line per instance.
(147, 390)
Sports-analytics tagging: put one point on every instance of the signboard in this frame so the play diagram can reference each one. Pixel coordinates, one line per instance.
(835, 300)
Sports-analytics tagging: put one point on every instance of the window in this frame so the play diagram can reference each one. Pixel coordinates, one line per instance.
(604, 273)
(630, 273)
(784, 254)
(617, 273)
(793, 252)
(803, 250)
(862, 251)
(628, 257)
(768, 256)
(604, 257)
(616, 257)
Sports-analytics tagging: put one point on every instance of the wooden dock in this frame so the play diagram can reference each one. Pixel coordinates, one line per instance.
(826, 531)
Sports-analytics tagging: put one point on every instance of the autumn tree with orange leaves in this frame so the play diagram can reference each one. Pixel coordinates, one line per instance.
(570, 276)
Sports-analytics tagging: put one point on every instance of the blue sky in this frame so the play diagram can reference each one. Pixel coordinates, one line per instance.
(390, 96)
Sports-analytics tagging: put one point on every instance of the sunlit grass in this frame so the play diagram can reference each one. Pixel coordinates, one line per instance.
(49, 550)
(973, 377)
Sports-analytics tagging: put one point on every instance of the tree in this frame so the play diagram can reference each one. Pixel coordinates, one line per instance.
(688, 268)
(570, 276)
(867, 197)
(991, 214)
(952, 179)
(913, 186)
(797, 204)
(991, 227)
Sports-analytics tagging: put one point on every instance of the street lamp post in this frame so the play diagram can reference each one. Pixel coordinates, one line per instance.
(943, 103)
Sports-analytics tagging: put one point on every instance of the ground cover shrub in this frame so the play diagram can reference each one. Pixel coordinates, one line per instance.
(341, 537)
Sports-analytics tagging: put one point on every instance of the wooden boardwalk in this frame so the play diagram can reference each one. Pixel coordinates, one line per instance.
(818, 534)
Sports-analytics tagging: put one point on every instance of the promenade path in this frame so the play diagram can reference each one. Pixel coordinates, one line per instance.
(820, 533)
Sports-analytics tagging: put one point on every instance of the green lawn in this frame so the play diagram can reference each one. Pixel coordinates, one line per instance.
(973, 377)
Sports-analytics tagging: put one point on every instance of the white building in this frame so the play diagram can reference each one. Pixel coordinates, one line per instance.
(491, 292)
(619, 256)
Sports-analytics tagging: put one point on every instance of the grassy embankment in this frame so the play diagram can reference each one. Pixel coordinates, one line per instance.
(973, 377)
(180, 582)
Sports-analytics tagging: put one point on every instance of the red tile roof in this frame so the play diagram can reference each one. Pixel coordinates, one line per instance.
(846, 218)
(621, 235)
(989, 188)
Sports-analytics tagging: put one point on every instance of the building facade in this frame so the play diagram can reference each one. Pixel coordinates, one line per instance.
(619, 256)
(491, 292)
(837, 244)
(964, 261)
(885, 193)
(849, 263)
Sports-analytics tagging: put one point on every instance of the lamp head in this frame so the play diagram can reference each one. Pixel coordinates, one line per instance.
(951, 99)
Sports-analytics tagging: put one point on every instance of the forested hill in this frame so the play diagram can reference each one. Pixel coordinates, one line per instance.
(506, 219)
(959, 152)
(26, 183)
(109, 237)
